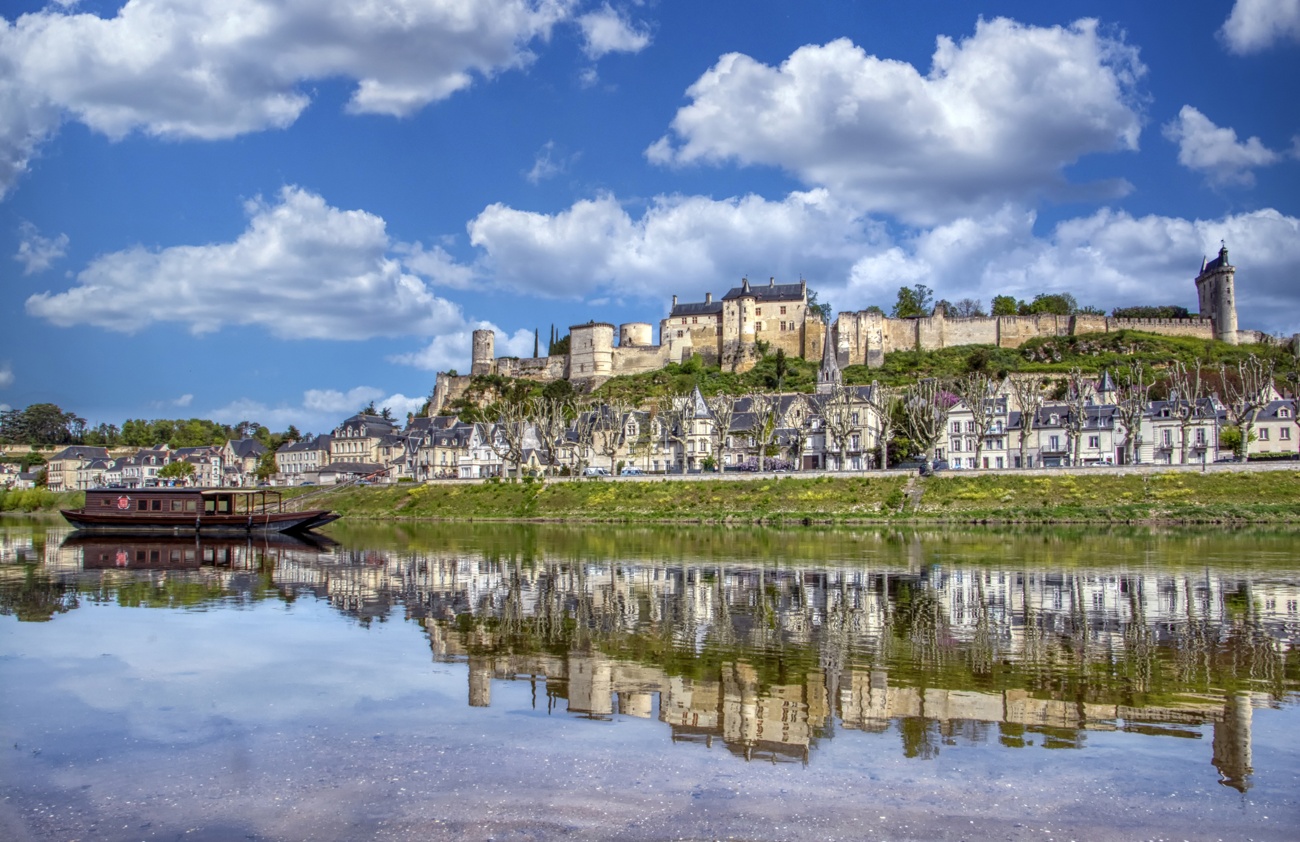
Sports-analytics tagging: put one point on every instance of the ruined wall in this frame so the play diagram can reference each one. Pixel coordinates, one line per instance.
(447, 388)
(543, 369)
(639, 360)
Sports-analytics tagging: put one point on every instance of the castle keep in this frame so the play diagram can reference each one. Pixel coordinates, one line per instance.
(729, 332)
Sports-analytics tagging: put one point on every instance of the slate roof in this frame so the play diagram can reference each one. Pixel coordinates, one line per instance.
(766, 292)
(247, 448)
(700, 308)
(81, 451)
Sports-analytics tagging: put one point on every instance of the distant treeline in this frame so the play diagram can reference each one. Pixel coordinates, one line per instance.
(46, 425)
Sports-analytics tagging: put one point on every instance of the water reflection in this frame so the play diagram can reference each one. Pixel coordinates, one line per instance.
(767, 643)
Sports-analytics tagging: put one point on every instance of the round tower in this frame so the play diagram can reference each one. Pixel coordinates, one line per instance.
(635, 334)
(484, 354)
(1217, 296)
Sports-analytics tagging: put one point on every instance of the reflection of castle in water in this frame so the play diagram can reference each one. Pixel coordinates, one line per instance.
(770, 660)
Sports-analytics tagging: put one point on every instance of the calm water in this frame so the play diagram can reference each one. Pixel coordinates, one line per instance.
(520, 682)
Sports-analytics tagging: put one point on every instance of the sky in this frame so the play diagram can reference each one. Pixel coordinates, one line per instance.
(278, 211)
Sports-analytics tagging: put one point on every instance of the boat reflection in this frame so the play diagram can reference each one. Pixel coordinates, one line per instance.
(149, 552)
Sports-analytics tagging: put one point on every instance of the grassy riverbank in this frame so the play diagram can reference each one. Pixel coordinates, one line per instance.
(1185, 496)
(1176, 496)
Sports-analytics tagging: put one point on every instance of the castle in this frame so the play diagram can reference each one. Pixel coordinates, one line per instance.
(729, 332)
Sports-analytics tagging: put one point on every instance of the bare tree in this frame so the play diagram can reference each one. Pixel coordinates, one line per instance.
(509, 426)
(926, 405)
(968, 307)
(1028, 392)
(673, 415)
(763, 408)
(1134, 398)
(722, 407)
(1078, 394)
(883, 400)
(551, 416)
(611, 430)
(976, 390)
(842, 415)
(1246, 391)
(584, 433)
(1187, 394)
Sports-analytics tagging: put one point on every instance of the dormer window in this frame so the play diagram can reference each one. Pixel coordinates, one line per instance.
(1284, 413)
(1054, 419)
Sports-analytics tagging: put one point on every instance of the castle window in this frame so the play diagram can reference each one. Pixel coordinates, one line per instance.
(758, 325)
(783, 309)
(783, 325)
(679, 334)
(694, 320)
(758, 311)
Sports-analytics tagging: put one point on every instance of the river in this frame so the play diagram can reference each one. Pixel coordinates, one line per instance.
(433, 681)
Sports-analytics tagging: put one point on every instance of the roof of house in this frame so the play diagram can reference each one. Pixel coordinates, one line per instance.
(81, 451)
(768, 292)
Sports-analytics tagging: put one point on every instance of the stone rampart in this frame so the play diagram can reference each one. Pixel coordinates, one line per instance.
(1197, 328)
(639, 360)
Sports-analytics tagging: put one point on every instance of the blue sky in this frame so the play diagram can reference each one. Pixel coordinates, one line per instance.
(279, 211)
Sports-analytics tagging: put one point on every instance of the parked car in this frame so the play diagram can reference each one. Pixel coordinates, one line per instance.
(631, 472)
(595, 472)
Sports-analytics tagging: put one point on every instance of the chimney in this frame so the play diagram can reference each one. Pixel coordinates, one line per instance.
(708, 298)
(771, 281)
(803, 288)
(674, 302)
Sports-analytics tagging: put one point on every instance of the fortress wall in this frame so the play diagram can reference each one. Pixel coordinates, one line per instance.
(899, 334)
(1198, 328)
(790, 341)
(930, 332)
(1090, 324)
(1014, 331)
(977, 331)
(447, 388)
(639, 360)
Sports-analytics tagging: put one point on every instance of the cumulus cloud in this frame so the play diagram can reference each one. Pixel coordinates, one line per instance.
(607, 31)
(183, 400)
(37, 253)
(1107, 259)
(320, 409)
(546, 164)
(998, 117)
(1215, 150)
(1255, 25)
(301, 270)
(678, 244)
(6, 375)
(196, 69)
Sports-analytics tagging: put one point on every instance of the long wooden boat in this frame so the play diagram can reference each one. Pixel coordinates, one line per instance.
(188, 511)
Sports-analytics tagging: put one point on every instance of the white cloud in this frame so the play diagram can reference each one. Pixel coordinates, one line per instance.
(197, 69)
(545, 164)
(608, 31)
(1256, 25)
(1215, 150)
(320, 410)
(451, 351)
(998, 117)
(6, 375)
(680, 244)
(183, 401)
(1108, 259)
(301, 270)
(37, 253)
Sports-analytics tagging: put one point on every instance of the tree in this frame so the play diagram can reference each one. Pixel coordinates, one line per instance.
(368, 409)
(536, 340)
(1187, 394)
(913, 302)
(1028, 392)
(1004, 305)
(926, 405)
(180, 470)
(763, 408)
(816, 308)
(266, 467)
(1058, 304)
(1166, 311)
(976, 390)
(781, 367)
(551, 416)
(884, 402)
(292, 434)
(1078, 397)
(1246, 391)
(41, 424)
(968, 308)
(1133, 400)
(722, 409)
(610, 430)
(843, 417)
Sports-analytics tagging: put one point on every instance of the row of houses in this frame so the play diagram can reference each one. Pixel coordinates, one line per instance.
(838, 428)
(78, 467)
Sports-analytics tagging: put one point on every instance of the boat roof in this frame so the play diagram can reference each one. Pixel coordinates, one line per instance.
(173, 489)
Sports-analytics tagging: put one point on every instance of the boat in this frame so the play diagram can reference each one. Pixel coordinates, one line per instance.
(191, 511)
